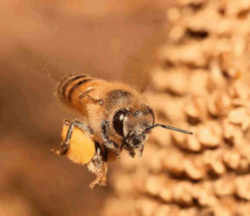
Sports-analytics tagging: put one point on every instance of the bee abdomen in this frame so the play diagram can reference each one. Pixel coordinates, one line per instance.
(70, 84)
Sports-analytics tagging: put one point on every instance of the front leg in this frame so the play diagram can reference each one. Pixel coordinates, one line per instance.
(106, 141)
(64, 147)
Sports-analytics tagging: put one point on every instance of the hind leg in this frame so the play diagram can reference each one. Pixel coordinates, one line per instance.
(64, 147)
(99, 167)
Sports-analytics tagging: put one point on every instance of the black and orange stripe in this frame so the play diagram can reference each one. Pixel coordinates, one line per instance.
(69, 85)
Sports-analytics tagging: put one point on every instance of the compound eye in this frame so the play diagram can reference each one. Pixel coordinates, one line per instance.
(118, 121)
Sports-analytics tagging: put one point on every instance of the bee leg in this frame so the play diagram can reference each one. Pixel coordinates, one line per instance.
(105, 154)
(94, 100)
(82, 126)
(99, 167)
(132, 153)
(64, 147)
(107, 142)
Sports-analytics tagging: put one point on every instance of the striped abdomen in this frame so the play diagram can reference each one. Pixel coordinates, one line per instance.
(79, 91)
(74, 90)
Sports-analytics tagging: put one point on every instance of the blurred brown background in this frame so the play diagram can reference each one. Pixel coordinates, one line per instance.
(43, 40)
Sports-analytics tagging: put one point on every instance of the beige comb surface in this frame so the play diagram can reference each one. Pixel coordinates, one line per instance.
(201, 84)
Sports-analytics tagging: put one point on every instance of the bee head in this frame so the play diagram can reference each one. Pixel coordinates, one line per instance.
(131, 126)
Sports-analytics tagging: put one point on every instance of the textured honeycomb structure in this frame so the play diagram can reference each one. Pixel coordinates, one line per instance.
(202, 84)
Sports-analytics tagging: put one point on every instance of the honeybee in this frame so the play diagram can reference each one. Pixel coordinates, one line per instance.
(115, 117)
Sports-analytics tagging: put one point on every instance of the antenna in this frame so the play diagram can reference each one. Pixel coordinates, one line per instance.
(147, 130)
